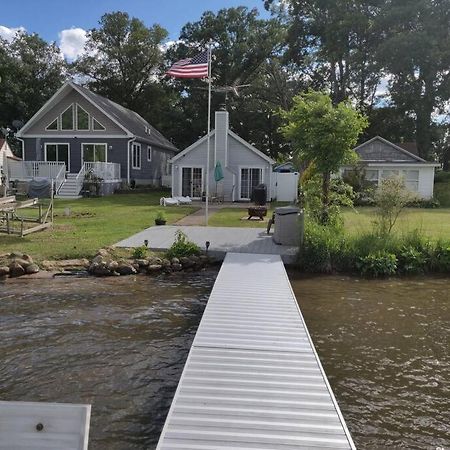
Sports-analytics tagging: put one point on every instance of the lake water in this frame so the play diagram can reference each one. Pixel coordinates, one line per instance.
(121, 344)
(385, 347)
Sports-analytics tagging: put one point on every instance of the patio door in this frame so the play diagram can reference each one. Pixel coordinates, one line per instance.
(58, 153)
(192, 182)
(93, 153)
(249, 178)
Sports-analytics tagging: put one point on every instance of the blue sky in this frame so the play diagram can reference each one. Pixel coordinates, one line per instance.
(50, 18)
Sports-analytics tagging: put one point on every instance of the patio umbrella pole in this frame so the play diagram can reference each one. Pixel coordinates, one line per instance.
(209, 130)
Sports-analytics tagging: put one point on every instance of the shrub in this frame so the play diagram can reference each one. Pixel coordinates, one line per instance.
(440, 257)
(411, 260)
(324, 249)
(140, 252)
(391, 198)
(182, 247)
(160, 216)
(341, 194)
(426, 203)
(378, 264)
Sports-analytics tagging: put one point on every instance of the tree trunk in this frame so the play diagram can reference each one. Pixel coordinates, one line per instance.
(423, 120)
(446, 158)
(325, 197)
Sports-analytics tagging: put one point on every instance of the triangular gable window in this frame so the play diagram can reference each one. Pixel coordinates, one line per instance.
(53, 125)
(82, 119)
(96, 125)
(67, 119)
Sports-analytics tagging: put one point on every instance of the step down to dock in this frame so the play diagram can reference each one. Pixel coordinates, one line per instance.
(253, 379)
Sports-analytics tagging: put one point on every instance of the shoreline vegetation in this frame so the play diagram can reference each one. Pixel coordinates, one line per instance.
(84, 227)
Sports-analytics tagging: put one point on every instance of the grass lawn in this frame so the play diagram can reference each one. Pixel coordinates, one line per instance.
(434, 223)
(93, 223)
(231, 217)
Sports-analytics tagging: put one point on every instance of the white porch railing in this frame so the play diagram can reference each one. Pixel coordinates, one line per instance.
(24, 170)
(27, 170)
(105, 170)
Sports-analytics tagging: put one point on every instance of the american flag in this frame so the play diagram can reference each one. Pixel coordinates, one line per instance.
(196, 67)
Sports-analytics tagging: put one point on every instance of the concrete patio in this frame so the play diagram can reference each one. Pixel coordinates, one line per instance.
(222, 240)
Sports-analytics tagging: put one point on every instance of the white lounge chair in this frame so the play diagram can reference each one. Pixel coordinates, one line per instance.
(168, 201)
(184, 200)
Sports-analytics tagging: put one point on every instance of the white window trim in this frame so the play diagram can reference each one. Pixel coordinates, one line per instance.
(149, 147)
(92, 125)
(180, 178)
(53, 129)
(73, 119)
(261, 168)
(93, 143)
(77, 105)
(58, 143)
(136, 145)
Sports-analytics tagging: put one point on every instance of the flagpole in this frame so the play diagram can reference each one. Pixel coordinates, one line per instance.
(209, 131)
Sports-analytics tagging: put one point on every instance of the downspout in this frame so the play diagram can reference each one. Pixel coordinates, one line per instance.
(22, 143)
(130, 141)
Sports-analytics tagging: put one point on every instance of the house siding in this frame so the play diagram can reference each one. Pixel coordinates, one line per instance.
(378, 150)
(117, 150)
(38, 127)
(151, 172)
(238, 156)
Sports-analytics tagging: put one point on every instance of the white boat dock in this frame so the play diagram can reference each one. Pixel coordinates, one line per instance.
(253, 379)
(221, 239)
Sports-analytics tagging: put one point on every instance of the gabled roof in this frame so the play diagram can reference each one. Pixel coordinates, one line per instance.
(129, 121)
(409, 157)
(230, 133)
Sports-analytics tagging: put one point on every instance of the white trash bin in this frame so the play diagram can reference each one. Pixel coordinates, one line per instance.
(287, 230)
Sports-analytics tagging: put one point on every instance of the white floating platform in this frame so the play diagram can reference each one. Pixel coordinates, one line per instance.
(253, 379)
(222, 240)
(44, 426)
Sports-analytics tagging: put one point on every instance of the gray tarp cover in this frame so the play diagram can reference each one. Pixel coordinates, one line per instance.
(40, 188)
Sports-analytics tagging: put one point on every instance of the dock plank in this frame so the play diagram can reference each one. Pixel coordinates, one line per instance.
(253, 379)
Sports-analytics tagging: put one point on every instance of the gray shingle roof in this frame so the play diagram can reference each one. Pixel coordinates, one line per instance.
(129, 119)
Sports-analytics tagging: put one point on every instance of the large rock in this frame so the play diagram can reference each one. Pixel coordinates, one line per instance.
(23, 262)
(141, 262)
(98, 259)
(175, 261)
(32, 268)
(102, 271)
(102, 252)
(4, 271)
(16, 270)
(125, 268)
(177, 267)
(154, 268)
(186, 262)
(112, 265)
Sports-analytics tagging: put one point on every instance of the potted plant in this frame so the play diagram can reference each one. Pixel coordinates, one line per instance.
(160, 218)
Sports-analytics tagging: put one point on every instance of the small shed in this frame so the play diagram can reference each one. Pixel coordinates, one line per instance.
(5, 153)
(383, 159)
(243, 165)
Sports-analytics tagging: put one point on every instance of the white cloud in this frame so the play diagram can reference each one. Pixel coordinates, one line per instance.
(9, 33)
(72, 42)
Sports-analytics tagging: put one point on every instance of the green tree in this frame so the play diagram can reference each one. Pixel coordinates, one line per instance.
(417, 54)
(333, 43)
(31, 70)
(245, 52)
(323, 134)
(123, 59)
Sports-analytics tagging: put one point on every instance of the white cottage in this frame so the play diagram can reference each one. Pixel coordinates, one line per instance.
(383, 159)
(5, 154)
(243, 165)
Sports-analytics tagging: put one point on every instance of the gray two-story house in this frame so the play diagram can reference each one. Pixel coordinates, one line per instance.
(79, 132)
